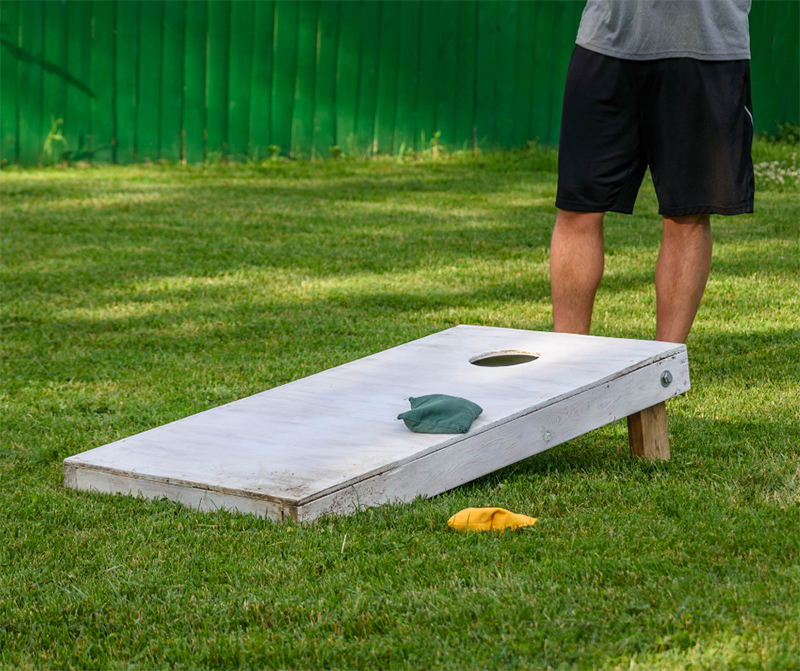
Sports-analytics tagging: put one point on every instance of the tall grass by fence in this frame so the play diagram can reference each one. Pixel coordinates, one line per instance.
(195, 80)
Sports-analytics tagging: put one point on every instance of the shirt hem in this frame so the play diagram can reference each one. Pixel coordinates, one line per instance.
(701, 56)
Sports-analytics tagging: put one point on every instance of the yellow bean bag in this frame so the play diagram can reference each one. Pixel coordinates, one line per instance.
(488, 519)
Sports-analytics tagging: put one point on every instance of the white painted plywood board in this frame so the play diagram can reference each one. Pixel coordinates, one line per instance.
(329, 442)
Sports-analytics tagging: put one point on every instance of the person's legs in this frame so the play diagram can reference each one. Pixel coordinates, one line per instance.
(684, 262)
(698, 150)
(576, 268)
(600, 166)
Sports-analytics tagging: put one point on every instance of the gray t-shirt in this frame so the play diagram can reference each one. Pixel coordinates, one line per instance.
(641, 30)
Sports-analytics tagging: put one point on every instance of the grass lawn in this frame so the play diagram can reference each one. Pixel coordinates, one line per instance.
(135, 296)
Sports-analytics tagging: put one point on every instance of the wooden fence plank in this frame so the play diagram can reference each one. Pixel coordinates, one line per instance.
(428, 66)
(785, 60)
(407, 73)
(542, 71)
(124, 150)
(194, 81)
(466, 71)
(367, 77)
(775, 63)
(9, 84)
(79, 93)
(219, 26)
(762, 71)
(261, 80)
(148, 112)
(30, 82)
(565, 30)
(349, 53)
(386, 95)
(487, 74)
(554, 101)
(171, 124)
(506, 70)
(325, 80)
(284, 71)
(284, 68)
(303, 108)
(241, 59)
(102, 81)
(444, 120)
(54, 84)
(523, 83)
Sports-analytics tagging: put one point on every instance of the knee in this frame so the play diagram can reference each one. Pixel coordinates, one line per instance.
(579, 222)
(691, 229)
(689, 221)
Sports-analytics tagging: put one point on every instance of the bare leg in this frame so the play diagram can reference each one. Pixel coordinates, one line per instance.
(681, 274)
(576, 268)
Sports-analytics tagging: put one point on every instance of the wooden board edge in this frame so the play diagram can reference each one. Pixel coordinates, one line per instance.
(518, 439)
(192, 495)
(70, 475)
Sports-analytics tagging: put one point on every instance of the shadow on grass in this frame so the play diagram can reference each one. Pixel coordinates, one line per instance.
(197, 317)
(329, 229)
(757, 460)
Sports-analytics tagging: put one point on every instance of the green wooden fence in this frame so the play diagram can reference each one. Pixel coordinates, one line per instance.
(195, 80)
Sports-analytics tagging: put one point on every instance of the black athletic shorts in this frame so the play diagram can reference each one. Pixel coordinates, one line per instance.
(691, 121)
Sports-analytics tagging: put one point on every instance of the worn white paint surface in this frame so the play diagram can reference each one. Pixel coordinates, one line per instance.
(329, 442)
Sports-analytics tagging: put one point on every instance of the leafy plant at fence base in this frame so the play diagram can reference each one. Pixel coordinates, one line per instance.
(54, 144)
(786, 133)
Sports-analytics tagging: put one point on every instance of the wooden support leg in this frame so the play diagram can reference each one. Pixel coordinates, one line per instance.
(647, 433)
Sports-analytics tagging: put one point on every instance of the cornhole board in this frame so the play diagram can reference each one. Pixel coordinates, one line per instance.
(330, 443)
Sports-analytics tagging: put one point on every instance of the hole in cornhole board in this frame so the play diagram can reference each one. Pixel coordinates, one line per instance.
(506, 357)
(330, 443)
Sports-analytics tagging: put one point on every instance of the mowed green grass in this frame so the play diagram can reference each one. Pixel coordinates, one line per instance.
(135, 296)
